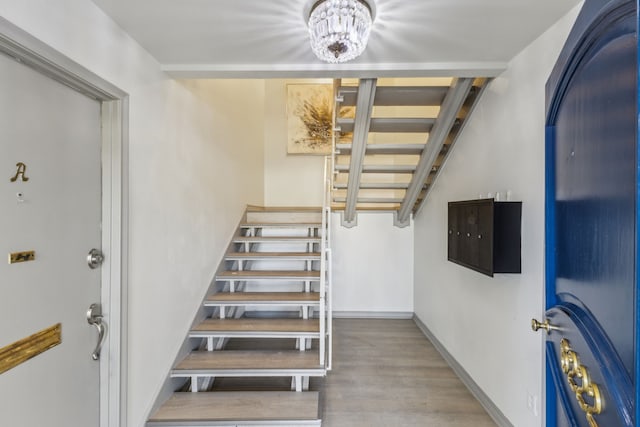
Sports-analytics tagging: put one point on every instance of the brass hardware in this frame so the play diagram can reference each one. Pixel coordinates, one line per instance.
(20, 172)
(536, 325)
(580, 382)
(29, 347)
(24, 256)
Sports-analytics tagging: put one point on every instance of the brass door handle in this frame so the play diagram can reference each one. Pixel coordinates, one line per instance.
(536, 325)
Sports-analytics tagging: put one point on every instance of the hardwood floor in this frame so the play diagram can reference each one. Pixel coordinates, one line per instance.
(386, 373)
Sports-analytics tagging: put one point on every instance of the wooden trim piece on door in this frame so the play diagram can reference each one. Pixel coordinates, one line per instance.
(25, 48)
(494, 412)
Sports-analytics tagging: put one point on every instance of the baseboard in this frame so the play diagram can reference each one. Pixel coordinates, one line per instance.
(372, 315)
(484, 400)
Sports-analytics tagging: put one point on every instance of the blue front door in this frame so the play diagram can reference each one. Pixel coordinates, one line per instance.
(591, 231)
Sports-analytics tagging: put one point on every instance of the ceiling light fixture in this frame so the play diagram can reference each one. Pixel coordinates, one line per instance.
(339, 29)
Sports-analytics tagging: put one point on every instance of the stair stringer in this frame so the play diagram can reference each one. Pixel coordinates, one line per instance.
(170, 385)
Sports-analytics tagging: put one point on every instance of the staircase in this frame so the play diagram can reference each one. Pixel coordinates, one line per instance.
(266, 328)
(392, 138)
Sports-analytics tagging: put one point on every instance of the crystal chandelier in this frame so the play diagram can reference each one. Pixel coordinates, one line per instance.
(339, 29)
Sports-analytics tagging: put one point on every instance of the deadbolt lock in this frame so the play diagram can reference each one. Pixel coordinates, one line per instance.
(95, 258)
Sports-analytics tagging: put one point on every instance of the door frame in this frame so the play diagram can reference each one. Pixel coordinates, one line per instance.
(26, 49)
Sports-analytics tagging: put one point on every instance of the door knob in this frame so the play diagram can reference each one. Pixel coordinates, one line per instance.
(536, 325)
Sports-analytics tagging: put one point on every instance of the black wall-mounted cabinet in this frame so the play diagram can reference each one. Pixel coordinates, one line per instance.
(484, 235)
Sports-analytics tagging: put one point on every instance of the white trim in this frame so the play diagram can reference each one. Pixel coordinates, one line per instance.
(114, 227)
(494, 412)
(372, 314)
(32, 52)
(317, 70)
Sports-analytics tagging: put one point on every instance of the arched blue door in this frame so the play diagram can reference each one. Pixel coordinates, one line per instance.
(591, 224)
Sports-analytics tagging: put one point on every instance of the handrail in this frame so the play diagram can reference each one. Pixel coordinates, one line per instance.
(323, 284)
(326, 308)
(330, 307)
(325, 281)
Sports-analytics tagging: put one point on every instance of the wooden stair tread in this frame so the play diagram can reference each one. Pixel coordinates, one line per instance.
(273, 255)
(264, 224)
(230, 297)
(258, 325)
(371, 168)
(237, 406)
(398, 95)
(391, 124)
(254, 208)
(394, 200)
(249, 360)
(375, 185)
(275, 239)
(385, 208)
(392, 149)
(268, 274)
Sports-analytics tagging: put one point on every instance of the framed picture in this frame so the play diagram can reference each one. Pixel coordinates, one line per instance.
(309, 118)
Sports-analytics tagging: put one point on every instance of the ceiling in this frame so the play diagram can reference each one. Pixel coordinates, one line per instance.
(269, 38)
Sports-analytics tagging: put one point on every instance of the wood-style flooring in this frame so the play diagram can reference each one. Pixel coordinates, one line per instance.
(386, 373)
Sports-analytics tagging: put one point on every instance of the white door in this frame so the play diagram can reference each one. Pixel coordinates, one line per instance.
(55, 132)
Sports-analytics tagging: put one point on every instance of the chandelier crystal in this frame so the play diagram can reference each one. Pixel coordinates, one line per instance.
(339, 29)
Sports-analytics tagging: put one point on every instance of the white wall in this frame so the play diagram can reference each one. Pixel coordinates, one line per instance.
(484, 322)
(373, 262)
(196, 159)
(289, 180)
(372, 266)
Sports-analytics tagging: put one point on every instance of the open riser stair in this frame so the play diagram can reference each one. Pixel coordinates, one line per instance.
(265, 330)
(391, 139)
